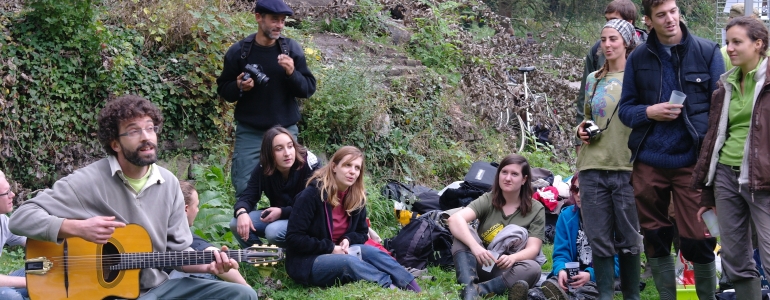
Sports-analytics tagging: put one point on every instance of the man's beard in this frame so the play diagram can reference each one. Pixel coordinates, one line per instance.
(134, 157)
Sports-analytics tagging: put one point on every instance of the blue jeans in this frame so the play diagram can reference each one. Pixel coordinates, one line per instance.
(274, 232)
(248, 144)
(9, 293)
(608, 201)
(329, 269)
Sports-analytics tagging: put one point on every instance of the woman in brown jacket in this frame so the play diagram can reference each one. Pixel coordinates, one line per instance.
(733, 167)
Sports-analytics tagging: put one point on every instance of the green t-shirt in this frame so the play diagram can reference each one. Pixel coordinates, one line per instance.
(738, 117)
(492, 221)
(608, 150)
(138, 184)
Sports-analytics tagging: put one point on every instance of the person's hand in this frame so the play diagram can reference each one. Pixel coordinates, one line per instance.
(704, 209)
(505, 261)
(245, 226)
(339, 250)
(483, 256)
(563, 279)
(221, 264)
(664, 112)
(97, 229)
(580, 279)
(583, 134)
(287, 63)
(345, 245)
(275, 214)
(245, 85)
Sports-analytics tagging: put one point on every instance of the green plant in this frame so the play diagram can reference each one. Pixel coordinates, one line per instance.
(215, 192)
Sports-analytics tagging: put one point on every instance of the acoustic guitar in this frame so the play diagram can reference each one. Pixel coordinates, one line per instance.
(78, 269)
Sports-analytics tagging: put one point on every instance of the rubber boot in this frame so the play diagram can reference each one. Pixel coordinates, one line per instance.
(604, 271)
(664, 277)
(705, 280)
(465, 268)
(492, 287)
(630, 267)
(748, 289)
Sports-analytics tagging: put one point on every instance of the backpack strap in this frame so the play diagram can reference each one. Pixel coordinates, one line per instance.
(246, 45)
(283, 44)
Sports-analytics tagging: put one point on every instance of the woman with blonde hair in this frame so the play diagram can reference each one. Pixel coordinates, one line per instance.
(329, 217)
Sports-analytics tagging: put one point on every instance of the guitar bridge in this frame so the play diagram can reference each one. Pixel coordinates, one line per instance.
(37, 266)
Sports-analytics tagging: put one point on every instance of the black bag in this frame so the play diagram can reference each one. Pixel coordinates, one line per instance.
(424, 241)
(417, 198)
(459, 197)
(482, 175)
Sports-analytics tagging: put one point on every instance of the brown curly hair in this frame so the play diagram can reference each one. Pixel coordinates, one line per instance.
(121, 109)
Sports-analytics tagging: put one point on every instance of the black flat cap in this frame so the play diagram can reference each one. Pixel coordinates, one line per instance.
(275, 7)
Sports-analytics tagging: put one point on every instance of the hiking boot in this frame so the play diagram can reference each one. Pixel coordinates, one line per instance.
(551, 290)
(518, 291)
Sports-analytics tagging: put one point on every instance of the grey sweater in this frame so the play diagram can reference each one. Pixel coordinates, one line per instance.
(100, 189)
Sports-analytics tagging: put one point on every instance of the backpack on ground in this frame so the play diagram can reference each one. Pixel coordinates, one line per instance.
(459, 197)
(425, 241)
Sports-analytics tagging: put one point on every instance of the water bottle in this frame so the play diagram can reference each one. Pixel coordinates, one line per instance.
(711, 222)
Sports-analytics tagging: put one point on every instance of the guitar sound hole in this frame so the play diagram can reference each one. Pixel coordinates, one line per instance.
(109, 258)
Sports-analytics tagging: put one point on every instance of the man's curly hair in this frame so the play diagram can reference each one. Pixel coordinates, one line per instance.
(121, 109)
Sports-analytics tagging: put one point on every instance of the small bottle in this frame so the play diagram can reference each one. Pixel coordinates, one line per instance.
(711, 222)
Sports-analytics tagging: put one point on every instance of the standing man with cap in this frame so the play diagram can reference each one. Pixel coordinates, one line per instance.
(264, 73)
(665, 140)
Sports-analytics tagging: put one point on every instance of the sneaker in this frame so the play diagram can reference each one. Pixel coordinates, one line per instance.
(552, 291)
(518, 291)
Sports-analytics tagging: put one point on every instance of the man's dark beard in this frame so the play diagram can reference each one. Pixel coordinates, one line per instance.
(134, 158)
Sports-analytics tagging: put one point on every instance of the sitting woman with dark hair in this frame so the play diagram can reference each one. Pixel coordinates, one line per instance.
(508, 210)
(328, 219)
(281, 174)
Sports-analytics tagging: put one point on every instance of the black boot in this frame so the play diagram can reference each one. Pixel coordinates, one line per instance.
(492, 287)
(664, 276)
(536, 294)
(465, 268)
(604, 270)
(630, 267)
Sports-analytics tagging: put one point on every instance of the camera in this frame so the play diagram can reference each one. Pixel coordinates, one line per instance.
(256, 71)
(592, 129)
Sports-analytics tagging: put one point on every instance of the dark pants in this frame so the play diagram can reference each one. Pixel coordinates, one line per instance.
(608, 202)
(654, 190)
(736, 209)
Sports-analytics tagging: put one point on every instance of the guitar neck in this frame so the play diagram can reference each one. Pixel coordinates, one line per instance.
(174, 258)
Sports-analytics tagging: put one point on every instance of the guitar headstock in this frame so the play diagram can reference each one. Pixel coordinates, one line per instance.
(263, 255)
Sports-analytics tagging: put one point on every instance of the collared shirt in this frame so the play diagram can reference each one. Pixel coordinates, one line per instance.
(738, 117)
(151, 177)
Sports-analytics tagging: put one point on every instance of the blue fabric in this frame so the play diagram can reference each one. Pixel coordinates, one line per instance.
(9, 293)
(274, 233)
(564, 242)
(697, 64)
(374, 266)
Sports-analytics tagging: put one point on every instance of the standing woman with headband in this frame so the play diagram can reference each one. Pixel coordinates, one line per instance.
(733, 169)
(605, 171)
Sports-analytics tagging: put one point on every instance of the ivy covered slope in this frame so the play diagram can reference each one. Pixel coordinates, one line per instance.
(62, 60)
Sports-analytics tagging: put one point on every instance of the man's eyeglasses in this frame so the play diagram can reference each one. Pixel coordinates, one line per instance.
(6, 193)
(137, 132)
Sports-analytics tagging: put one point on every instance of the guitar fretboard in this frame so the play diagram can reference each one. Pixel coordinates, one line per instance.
(173, 258)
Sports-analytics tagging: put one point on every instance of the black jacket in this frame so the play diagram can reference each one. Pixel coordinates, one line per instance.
(308, 234)
(265, 106)
(280, 192)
